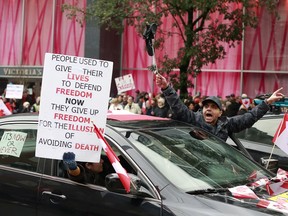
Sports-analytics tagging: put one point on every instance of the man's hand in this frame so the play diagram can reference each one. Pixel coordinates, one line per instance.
(161, 81)
(276, 96)
(69, 160)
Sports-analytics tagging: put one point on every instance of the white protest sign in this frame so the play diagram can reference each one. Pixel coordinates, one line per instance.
(124, 83)
(75, 92)
(12, 143)
(14, 91)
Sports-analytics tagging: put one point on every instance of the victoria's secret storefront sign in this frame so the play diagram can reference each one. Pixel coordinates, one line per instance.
(27, 72)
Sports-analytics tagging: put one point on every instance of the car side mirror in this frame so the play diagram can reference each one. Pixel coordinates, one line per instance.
(113, 184)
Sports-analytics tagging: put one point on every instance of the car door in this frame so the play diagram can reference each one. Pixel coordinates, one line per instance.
(19, 174)
(59, 195)
(65, 197)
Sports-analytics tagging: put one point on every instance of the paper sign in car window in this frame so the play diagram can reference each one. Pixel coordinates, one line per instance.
(12, 143)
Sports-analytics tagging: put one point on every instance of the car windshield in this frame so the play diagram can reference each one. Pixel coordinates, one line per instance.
(192, 159)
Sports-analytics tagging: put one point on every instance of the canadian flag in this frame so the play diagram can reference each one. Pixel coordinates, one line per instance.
(279, 206)
(243, 192)
(114, 160)
(281, 175)
(277, 188)
(5, 111)
(281, 136)
(246, 102)
(260, 182)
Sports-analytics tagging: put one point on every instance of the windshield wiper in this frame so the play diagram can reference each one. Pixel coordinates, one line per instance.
(208, 190)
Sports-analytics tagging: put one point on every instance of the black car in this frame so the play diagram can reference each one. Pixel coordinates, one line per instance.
(175, 168)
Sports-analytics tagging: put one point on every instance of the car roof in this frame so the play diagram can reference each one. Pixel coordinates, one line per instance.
(272, 116)
(114, 119)
(124, 116)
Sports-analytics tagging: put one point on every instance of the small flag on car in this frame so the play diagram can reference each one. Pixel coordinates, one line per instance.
(243, 192)
(277, 188)
(276, 206)
(281, 136)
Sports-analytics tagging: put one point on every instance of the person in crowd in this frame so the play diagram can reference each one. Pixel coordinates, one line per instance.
(153, 105)
(137, 96)
(83, 172)
(115, 105)
(162, 109)
(144, 96)
(190, 104)
(233, 107)
(148, 107)
(36, 106)
(120, 99)
(26, 107)
(26, 97)
(132, 106)
(125, 100)
(198, 103)
(211, 118)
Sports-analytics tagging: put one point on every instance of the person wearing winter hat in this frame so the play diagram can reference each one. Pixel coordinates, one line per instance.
(211, 118)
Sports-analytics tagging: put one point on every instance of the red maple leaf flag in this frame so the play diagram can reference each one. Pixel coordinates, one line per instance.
(281, 136)
(280, 205)
(246, 102)
(114, 160)
(277, 188)
(243, 192)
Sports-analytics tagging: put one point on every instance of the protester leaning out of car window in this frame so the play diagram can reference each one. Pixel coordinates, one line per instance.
(210, 118)
(83, 172)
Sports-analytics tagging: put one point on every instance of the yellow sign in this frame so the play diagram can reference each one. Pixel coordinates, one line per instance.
(282, 197)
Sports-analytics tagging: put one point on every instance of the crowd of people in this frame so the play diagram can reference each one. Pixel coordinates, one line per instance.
(28, 103)
(145, 103)
(141, 103)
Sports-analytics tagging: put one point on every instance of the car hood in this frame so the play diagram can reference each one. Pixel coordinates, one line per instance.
(234, 206)
(225, 203)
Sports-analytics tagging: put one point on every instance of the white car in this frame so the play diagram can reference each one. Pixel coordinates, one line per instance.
(257, 140)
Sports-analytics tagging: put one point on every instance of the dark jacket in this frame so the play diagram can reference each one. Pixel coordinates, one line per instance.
(162, 112)
(87, 177)
(225, 125)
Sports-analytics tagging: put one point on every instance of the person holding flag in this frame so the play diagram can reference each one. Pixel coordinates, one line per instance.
(83, 172)
(94, 173)
(211, 118)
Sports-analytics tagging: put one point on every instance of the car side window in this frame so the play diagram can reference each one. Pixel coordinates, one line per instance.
(255, 135)
(125, 164)
(60, 169)
(17, 149)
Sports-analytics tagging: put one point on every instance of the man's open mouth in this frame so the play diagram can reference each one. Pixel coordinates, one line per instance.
(209, 115)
